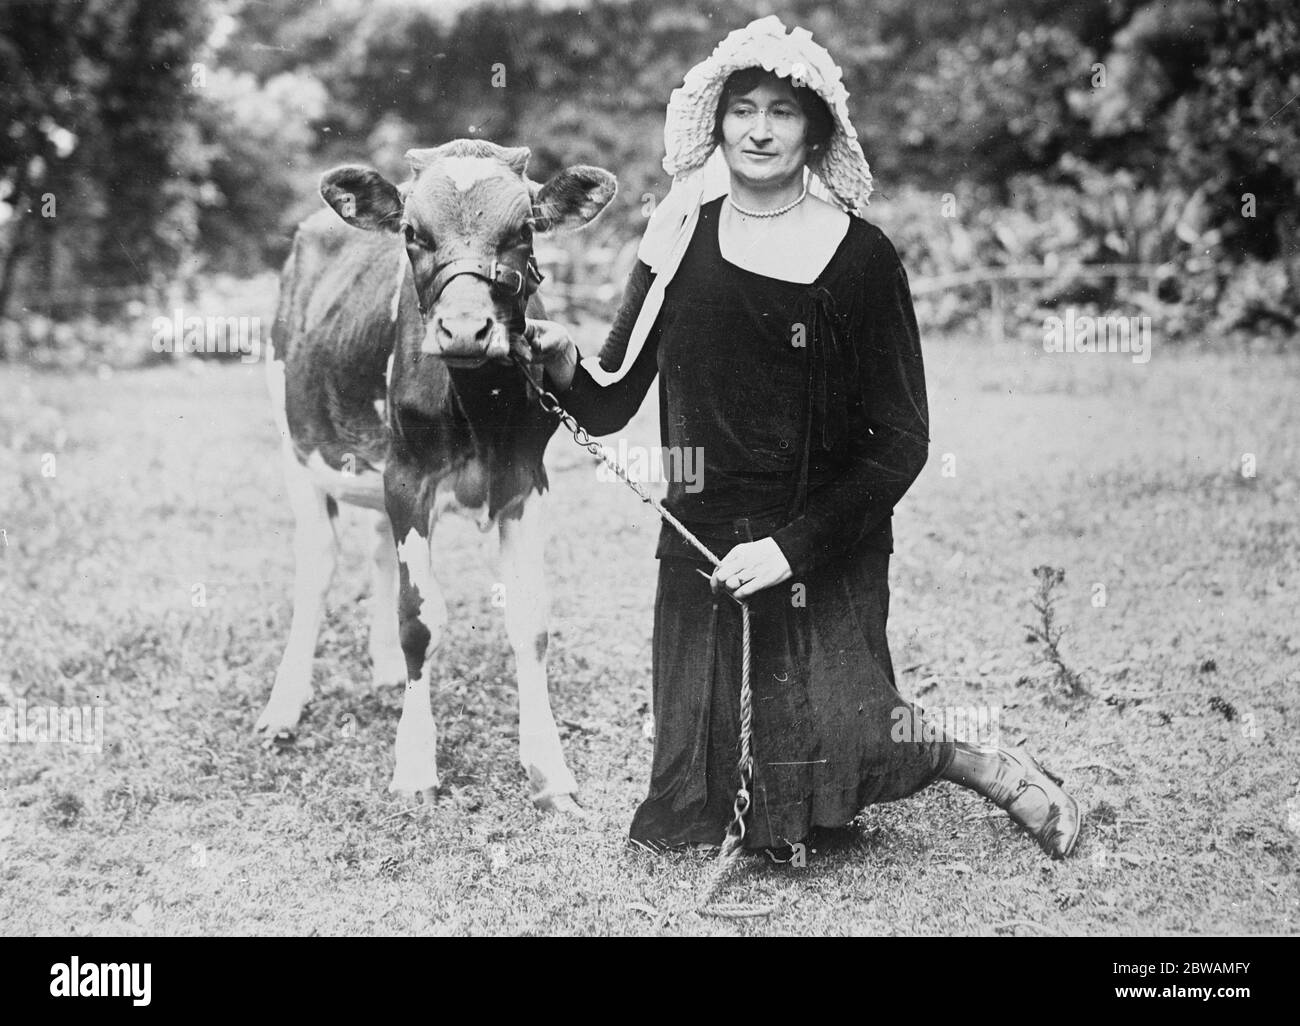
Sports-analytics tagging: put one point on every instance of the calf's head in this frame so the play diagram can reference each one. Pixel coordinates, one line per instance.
(468, 215)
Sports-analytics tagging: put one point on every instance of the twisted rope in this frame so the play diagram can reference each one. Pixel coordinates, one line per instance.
(732, 843)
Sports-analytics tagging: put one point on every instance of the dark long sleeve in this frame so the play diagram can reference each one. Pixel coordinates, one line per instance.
(603, 409)
(892, 441)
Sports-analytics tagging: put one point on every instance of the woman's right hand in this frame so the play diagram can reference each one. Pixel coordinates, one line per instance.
(551, 343)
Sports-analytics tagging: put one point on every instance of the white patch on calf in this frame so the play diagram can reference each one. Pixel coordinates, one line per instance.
(275, 385)
(445, 500)
(466, 171)
(416, 766)
(381, 405)
(315, 554)
(522, 572)
(363, 489)
(413, 553)
(386, 657)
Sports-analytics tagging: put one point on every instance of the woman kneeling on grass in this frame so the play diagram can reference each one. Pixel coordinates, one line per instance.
(781, 329)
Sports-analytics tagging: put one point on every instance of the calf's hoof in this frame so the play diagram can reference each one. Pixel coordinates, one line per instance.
(415, 782)
(279, 720)
(561, 804)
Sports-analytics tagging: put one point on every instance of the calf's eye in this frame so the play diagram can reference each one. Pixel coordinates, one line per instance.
(412, 239)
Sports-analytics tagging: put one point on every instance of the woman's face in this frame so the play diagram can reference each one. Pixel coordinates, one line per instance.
(763, 134)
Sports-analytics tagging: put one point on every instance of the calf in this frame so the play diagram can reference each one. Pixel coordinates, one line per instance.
(393, 388)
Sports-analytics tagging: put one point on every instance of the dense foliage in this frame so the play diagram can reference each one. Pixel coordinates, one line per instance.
(186, 137)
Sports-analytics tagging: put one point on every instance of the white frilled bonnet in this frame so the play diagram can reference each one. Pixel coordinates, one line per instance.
(839, 174)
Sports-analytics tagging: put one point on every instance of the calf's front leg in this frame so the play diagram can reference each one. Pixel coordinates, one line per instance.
(315, 550)
(421, 618)
(387, 661)
(523, 572)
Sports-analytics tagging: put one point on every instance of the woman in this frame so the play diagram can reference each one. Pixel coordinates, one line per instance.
(781, 329)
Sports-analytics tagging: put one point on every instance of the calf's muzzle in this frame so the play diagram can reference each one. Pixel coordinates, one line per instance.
(464, 328)
(466, 341)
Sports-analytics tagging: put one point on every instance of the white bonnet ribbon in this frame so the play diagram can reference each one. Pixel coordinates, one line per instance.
(662, 247)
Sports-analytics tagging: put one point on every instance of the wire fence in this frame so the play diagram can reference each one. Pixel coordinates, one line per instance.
(581, 282)
(587, 283)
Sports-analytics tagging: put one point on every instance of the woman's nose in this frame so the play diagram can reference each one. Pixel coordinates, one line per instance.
(762, 127)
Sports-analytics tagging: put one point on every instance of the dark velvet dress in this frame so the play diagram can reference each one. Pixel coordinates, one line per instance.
(807, 406)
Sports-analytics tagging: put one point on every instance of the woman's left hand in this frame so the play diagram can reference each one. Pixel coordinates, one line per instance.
(751, 567)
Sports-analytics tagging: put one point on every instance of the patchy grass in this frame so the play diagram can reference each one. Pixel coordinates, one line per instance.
(1179, 604)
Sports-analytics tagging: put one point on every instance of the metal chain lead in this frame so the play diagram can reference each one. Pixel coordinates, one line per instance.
(735, 836)
(551, 405)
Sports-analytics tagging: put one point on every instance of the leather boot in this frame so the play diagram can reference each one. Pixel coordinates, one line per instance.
(1031, 796)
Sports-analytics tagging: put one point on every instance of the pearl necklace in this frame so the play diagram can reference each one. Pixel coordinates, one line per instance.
(769, 213)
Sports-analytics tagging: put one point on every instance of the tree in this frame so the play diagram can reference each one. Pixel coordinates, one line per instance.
(99, 164)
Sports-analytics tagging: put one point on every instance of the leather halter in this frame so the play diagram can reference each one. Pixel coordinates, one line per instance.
(517, 284)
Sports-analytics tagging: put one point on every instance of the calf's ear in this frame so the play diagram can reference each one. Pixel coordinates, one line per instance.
(573, 197)
(363, 198)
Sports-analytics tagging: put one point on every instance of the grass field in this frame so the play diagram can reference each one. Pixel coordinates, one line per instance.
(1180, 599)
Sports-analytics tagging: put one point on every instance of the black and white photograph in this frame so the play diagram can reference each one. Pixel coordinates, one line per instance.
(647, 468)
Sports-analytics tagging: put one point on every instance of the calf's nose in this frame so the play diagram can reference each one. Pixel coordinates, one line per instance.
(460, 333)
